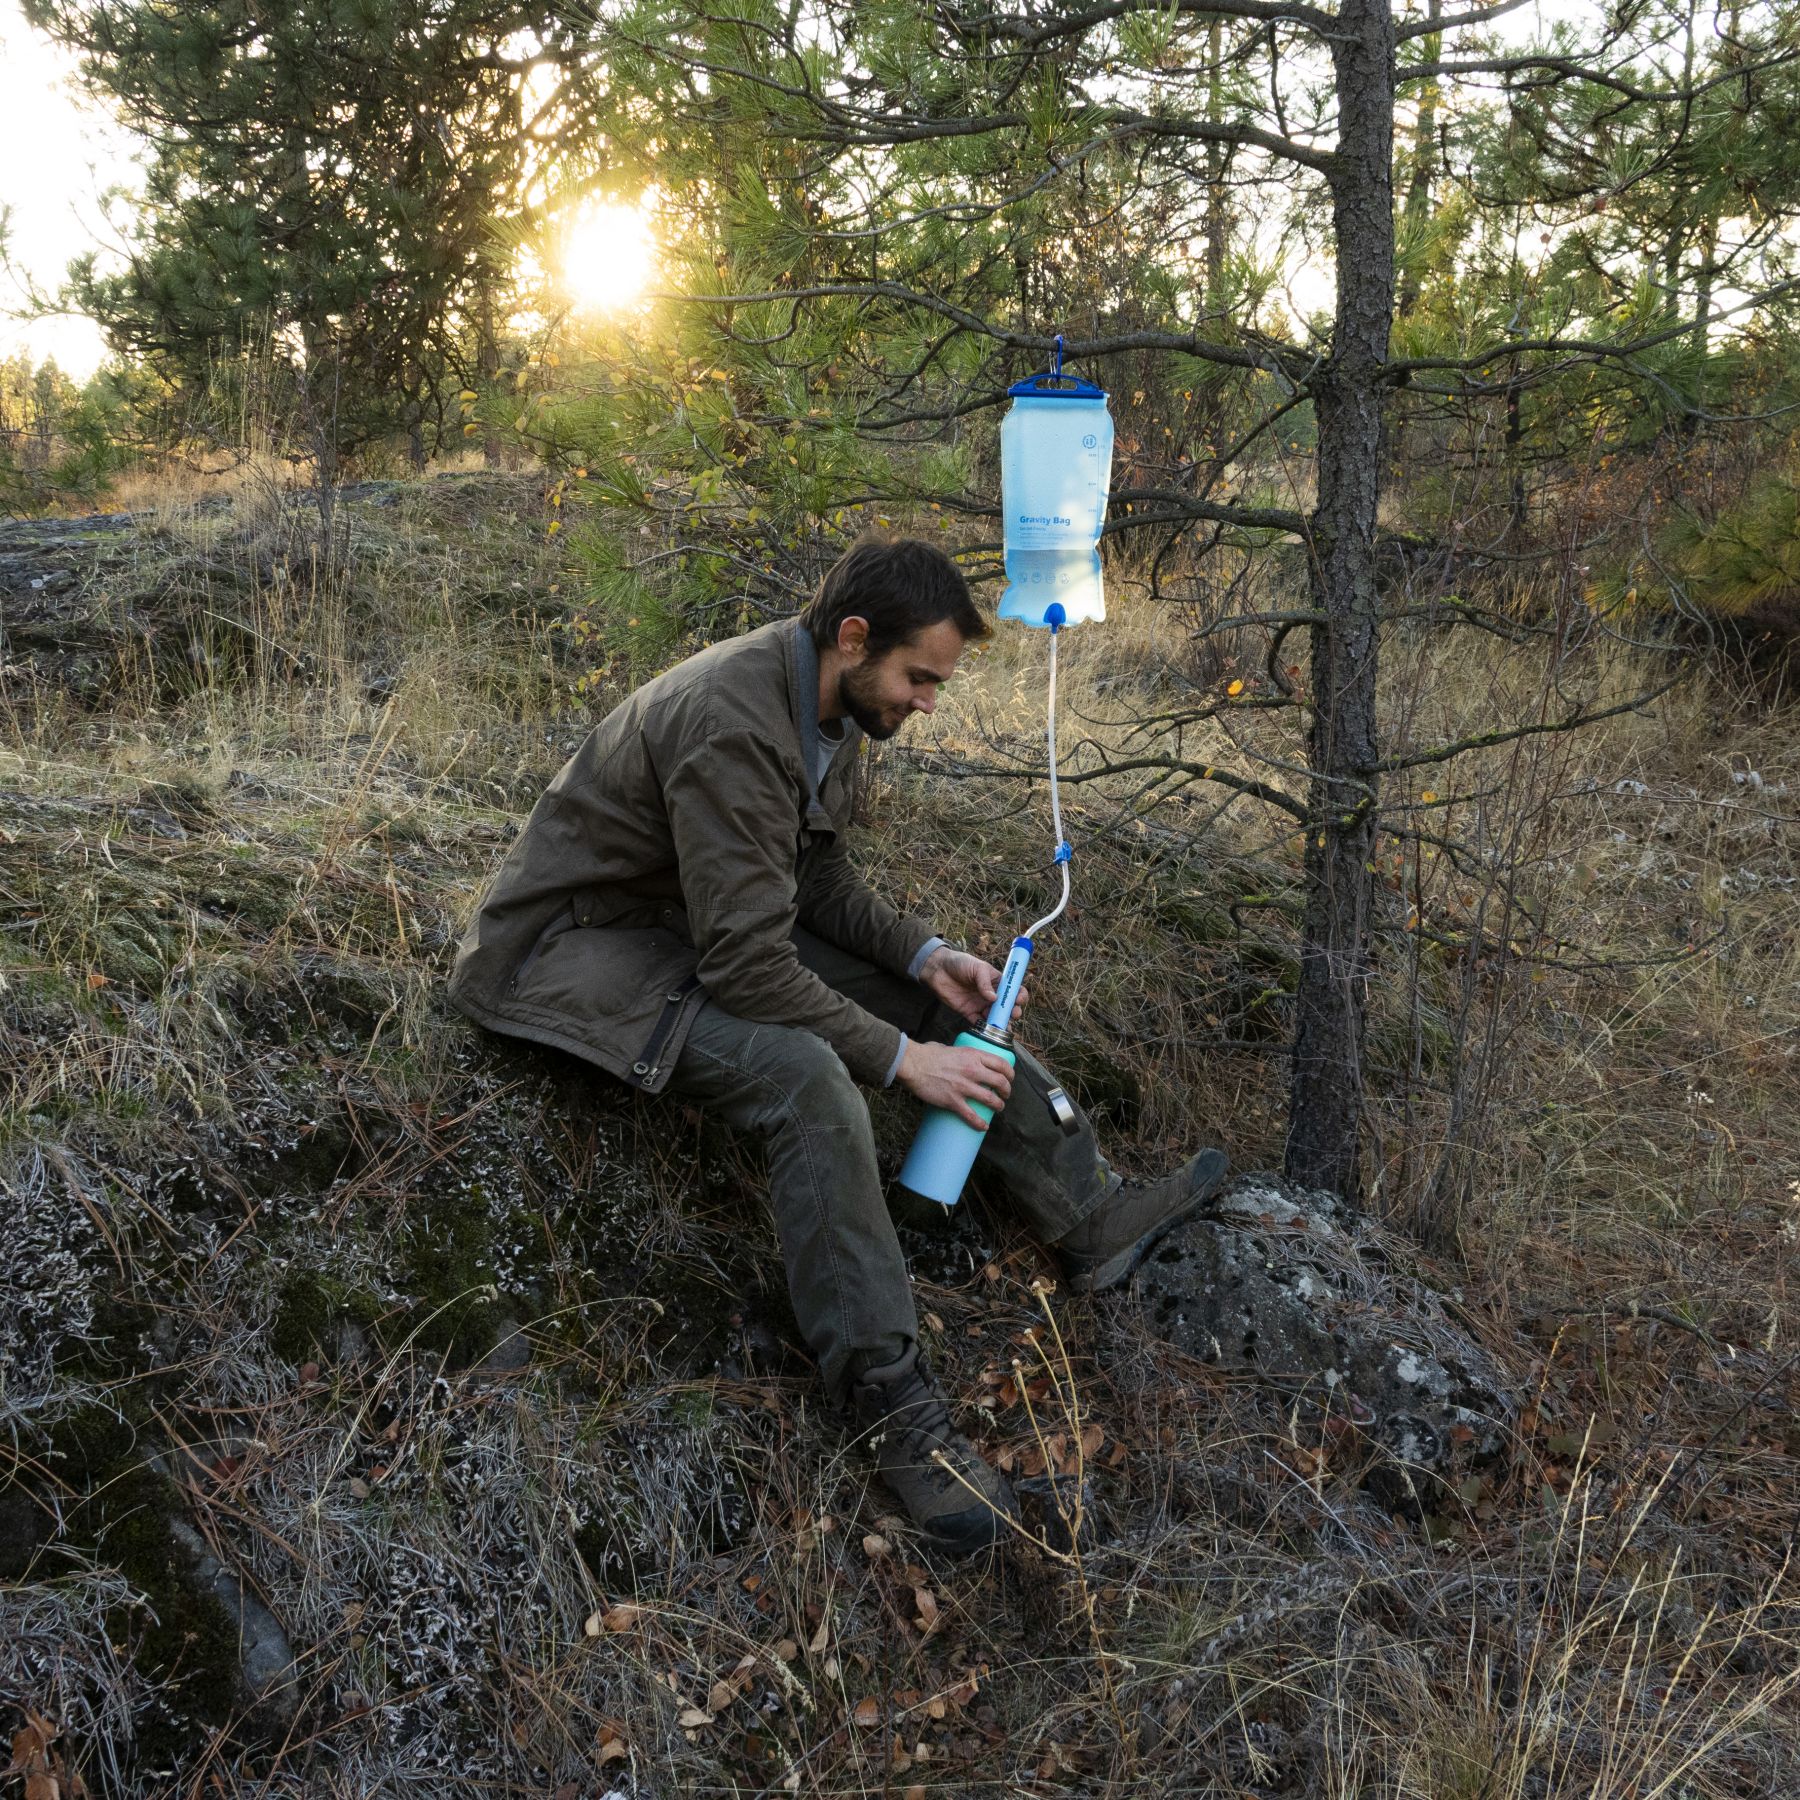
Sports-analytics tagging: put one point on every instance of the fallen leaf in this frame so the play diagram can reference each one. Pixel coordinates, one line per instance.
(926, 1601)
(611, 1749)
(32, 1739)
(786, 1650)
(868, 1713)
(621, 1617)
(1092, 1437)
(721, 1696)
(693, 1717)
(874, 1544)
(821, 1637)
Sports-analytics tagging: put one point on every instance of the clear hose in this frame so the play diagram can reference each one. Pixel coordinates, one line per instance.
(1062, 847)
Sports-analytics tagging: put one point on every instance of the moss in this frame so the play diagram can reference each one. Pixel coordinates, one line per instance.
(451, 1270)
(122, 1512)
(304, 1318)
(310, 1311)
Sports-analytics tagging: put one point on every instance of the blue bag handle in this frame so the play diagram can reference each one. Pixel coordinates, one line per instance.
(1068, 387)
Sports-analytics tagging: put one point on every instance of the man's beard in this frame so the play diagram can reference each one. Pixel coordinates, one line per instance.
(857, 698)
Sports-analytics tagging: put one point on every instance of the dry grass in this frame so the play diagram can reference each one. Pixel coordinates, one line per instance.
(483, 1381)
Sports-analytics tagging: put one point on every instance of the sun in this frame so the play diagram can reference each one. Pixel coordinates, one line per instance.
(607, 256)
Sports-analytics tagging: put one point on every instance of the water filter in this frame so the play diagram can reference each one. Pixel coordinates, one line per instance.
(946, 1145)
(1056, 445)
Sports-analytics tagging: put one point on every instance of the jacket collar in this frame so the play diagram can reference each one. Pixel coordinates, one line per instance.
(803, 708)
(803, 705)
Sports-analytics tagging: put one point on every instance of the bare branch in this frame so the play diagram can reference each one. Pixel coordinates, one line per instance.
(1238, 784)
(1446, 22)
(1488, 739)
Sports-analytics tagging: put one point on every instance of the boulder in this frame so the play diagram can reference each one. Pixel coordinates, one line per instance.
(1291, 1283)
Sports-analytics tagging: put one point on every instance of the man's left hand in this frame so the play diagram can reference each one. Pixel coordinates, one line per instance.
(965, 983)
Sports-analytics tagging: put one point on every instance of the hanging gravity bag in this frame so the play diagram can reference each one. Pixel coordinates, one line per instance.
(1055, 468)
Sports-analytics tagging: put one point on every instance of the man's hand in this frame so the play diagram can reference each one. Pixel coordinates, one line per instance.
(944, 1075)
(965, 983)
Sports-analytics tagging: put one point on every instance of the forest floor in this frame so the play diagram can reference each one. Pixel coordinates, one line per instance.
(386, 1409)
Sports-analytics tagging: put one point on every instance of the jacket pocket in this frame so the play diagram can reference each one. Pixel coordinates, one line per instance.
(564, 921)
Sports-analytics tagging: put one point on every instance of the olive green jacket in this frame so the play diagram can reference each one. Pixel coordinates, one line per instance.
(669, 862)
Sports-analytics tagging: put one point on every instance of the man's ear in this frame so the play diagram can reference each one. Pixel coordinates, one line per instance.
(853, 637)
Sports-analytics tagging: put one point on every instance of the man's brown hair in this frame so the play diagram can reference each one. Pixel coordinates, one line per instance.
(900, 585)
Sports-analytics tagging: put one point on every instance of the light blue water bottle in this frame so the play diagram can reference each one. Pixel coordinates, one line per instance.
(1056, 445)
(946, 1146)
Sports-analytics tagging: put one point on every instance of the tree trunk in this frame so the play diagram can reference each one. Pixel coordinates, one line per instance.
(1326, 1094)
(487, 363)
(1424, 158)
(1215, 168)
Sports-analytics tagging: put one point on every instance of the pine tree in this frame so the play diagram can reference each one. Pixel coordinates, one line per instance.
(325, 176)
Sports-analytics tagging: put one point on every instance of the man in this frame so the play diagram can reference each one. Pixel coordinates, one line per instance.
(681, 910)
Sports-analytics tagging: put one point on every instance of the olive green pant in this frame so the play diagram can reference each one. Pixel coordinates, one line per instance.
(846, 1274)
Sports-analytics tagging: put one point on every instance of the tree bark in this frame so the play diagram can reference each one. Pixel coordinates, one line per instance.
(1424, 157)
(1326, 1095)
(1215, 168)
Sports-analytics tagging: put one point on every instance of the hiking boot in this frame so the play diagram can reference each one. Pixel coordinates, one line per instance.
(1111, 1241)
(933, 1470)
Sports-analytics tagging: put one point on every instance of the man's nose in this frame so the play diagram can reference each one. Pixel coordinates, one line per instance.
(925, 703)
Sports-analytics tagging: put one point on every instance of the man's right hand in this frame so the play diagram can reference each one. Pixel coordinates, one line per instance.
(950, 1076)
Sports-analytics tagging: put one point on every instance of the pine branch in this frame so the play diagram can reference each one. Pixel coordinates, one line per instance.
(1188, 343)
(1402, 368)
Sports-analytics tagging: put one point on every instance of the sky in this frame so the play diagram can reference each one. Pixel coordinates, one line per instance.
(56, 159)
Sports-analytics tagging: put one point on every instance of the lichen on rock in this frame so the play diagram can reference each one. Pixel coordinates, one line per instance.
(1291, 1283)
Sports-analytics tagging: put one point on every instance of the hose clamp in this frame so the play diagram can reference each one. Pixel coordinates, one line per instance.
(1062, 1109)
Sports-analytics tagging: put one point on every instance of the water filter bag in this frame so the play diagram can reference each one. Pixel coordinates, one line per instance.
(1055, 468)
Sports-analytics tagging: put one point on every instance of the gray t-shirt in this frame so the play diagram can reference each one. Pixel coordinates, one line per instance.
(831, 741)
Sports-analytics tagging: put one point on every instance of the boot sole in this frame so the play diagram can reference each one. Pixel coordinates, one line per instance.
(1121, 1266)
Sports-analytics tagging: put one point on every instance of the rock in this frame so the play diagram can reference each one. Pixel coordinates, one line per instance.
(264, 1655)
(511, 1351)
(1293, 1284)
